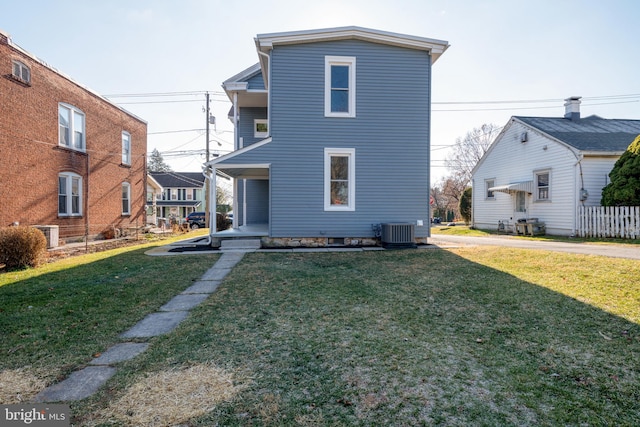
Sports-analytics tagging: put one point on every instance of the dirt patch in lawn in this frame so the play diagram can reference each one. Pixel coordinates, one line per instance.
(174, 396)
(19, 385)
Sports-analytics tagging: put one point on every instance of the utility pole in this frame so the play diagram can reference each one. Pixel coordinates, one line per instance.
(207, 181)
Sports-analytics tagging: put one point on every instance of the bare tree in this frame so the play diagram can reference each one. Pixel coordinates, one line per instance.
(467, 151)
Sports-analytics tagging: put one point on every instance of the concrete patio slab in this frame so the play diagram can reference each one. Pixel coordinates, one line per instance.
(120, 353)
(184, 302)
(202, 287)
(79, 385)
(156, 324)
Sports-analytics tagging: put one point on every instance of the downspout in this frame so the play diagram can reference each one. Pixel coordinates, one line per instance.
(267, 82)
(579, 159)
(212, 197)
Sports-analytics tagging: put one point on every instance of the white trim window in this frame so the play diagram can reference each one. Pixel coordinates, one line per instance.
(489, 183)
(21, 72)
(71, 127)
(69, 194)
(126, 198)
(260, 128)
(339, 179)
(543, 185)
(339, 86)
(126, 148)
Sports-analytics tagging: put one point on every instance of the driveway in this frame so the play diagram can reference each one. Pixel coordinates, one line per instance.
(608, 249)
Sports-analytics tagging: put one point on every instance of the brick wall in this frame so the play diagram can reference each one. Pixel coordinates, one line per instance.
(31, 159)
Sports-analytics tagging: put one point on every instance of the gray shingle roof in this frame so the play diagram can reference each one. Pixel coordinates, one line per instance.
(591, 133)
(179, 179)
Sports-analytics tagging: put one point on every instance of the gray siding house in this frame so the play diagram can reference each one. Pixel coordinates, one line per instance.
(331, 137)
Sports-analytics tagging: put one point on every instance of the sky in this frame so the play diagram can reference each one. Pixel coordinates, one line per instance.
(157, 58)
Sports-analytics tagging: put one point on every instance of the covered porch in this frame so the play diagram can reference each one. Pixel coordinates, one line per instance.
(251, 200)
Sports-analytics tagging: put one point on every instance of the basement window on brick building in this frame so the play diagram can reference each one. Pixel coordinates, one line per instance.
(69, 194)
(71, 127)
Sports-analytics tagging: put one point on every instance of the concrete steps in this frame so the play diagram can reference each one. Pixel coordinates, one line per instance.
(240, 244)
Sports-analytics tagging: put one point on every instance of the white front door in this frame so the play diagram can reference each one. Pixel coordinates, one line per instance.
(520, 205)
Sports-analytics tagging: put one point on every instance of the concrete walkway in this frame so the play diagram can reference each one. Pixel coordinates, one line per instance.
(85, 382)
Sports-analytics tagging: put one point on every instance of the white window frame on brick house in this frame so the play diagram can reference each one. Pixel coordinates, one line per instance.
(71, 127)
(21, 72)
(333, 91)
(332, 182)
(126, 148)
(126, 198)
(542, 191)
(69, 194)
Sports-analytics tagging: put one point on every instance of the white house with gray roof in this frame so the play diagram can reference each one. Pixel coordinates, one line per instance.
(545, 168)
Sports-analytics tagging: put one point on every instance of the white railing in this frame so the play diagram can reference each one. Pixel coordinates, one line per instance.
(609, 221)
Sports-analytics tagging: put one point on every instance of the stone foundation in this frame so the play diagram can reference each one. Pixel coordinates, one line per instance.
(315, 242)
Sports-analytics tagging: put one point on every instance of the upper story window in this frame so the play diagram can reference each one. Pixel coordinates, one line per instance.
(71, 127)
(126, 148)
(260, 128)
(21, 72)
(69, 194)
(126, 198)
(340, 86)
(489, 183)
(543, 185)
(339, 179)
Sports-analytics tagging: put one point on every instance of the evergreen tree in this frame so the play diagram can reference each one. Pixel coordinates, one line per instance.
(624, 188)
(465, 205)
(156, 162)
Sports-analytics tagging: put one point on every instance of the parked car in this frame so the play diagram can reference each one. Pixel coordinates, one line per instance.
(196, 220)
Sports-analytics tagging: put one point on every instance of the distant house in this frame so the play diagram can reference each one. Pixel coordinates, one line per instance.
(331, 136)
(69, 158)
(181, 193)
(547, 167)
(154, 192)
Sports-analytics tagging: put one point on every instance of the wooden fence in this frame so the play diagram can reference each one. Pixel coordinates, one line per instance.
(609, 221)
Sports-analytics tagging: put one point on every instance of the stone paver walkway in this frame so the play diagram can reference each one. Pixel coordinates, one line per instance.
(85, 382)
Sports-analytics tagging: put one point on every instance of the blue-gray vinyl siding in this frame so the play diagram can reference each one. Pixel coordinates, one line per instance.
(245, 128)
(258, 201)
(256, 82)
(390, 135)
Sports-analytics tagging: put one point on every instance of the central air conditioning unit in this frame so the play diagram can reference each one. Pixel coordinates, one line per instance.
(398, 235)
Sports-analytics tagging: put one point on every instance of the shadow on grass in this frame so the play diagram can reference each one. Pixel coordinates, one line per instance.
(401, 338)
(55, 321)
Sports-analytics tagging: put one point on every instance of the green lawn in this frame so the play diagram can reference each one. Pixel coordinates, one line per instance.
(472, 336)
(56, 317)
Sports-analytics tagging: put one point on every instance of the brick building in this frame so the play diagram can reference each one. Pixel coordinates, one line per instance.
(68, 157)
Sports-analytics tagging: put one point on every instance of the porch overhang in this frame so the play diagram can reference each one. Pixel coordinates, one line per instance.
(526, 186)
(244, 171)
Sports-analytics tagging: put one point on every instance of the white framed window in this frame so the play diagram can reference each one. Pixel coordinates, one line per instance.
(260, 128)
(543, 185)
(126, 148)
(21, 72)
(339, 86)
(339, 179)
(126, 198)
(69, 194)
(71, 127)
(489, 183)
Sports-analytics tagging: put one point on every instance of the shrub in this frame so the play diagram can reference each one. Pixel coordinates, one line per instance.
(465, 205)
(624, 188)
(22, 247)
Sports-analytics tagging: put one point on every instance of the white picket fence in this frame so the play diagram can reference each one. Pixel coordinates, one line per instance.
(609, 221)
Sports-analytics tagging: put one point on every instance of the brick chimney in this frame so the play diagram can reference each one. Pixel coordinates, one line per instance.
(572, 108)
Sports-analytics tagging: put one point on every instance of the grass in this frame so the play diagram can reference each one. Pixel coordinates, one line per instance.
(472, 336)
(55, 318)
